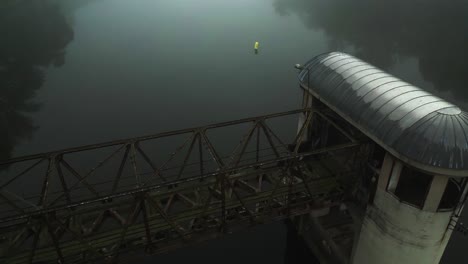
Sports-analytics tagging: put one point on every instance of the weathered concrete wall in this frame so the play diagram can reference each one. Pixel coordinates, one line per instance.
(394, 232)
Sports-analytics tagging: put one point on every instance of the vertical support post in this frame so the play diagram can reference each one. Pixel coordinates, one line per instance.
(45, 184)
(438, 185)
(290, 184)
(395, 176)
(303, 98)
(385, 171)
(187, 156)
(54, 240)
(258, 144)
(305, 127)
(149, 242)
(200, 153)
(223, 203)
(58, 167)
(303, 116)
(115, 185)
(34, 247)
(135, 170)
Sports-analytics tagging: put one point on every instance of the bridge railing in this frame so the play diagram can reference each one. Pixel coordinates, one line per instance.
(71, 175)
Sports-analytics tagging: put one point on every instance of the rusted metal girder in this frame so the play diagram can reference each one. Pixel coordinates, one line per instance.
(73, 218)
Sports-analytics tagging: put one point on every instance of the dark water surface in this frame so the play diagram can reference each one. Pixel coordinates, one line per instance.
(76, 72)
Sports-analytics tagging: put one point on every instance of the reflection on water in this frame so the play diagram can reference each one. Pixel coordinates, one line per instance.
(34, 35)
(130, 55)
(386, 32)
(69, 7)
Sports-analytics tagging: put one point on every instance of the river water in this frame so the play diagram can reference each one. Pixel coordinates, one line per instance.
(76, 72)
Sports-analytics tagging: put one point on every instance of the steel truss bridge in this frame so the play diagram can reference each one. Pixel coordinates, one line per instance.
(163, 191)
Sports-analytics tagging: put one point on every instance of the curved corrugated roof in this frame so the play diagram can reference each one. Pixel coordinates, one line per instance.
(412, 124)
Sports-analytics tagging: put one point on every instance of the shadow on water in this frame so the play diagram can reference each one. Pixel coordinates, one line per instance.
(34, 35)
(386, 32)
(297, 252)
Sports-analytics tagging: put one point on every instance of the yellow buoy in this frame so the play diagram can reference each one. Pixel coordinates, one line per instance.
(256, 45)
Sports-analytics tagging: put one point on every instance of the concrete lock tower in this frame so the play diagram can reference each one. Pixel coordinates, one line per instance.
(417, 164)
